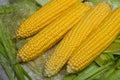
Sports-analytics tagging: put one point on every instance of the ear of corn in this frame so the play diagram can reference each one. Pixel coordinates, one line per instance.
(98, 41)
(74, 38)
(43, 17)
(52, 33)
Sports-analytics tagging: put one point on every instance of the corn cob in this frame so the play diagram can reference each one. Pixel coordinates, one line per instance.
(43, 17)
(52, 33)
(74, 37)
(96, 43)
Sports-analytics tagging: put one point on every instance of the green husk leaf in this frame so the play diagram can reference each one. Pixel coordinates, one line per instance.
(69, 77)
(7, 43)
(6, 9)
(109, 73)
(114, 48)
(113, 3)
(87, 72)
(10, 53)
(115, 75)
(2, 50)
(4, 63)
(104, 58)
(8, 71)
(42, 2)
(93, 1)
(19, 71)
(27, 75)
(100, 70)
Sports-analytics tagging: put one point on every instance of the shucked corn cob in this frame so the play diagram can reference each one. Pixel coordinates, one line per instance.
(98, 41)
(43, 17)
(74, 37)
(52, 33)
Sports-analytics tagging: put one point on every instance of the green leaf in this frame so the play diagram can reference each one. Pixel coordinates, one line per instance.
(87, 72)
(6, 67)
(93, 1)
(113, 3)
(114, 48)
(2, 51)
(104, 58)
(42, 2)
(19, 71)
(97, 72)
(10, 52)
(115, 75)
(27, 75)
(8, 71)
(7, 43)
(69, 77)
(110, 73)
(6, 9)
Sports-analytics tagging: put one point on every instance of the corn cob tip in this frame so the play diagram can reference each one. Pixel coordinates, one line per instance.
(69, 69)
(24, 33)
(19, 34)
(48, 73)
(21, 57)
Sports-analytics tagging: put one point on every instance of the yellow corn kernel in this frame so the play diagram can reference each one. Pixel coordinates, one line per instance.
(75, 36)
(43, 17)
(96, 43)
(51, 34)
